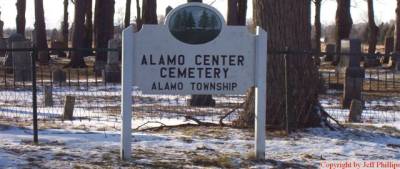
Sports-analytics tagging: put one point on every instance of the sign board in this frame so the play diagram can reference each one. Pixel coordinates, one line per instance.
(194, 52)
(202, 57)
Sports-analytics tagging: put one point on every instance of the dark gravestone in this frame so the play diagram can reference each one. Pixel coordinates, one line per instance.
(389, 45)
(59, 76)
(69, 108)
(329, 50)
(389, 48)
(15, 37)
(58, 45)
(372, 60)
(351, 54)
(167, 10)
(354, 74)
(397, 67)
(33, 36)
(112, 71)
(48, 96)
(356, 109)
(202, 101)
(1, 27)
(54, 35)
(22, 62)
(3, 45)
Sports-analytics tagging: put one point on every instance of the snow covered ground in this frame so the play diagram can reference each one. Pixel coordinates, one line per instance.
(77, 145)
(92, 139)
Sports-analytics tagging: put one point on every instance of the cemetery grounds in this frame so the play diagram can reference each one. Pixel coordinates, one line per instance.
(166, 136)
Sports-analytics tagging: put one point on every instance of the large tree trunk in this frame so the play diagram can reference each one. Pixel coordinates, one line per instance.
(242, 11)
(104, 29)
(317, 25)
(21, 7)
(127, 21)
(138, 16)
(372, 28)
(237, 12)
(288, 25)
(343, 24)
(77, 38)
(233, 12)
(40, 31)
(65, 25)
(1, 27)
(88, 28)
(397, 27)
(201, 100)
(149, 12)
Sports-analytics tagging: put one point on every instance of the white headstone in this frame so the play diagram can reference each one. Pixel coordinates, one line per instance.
(113, 56)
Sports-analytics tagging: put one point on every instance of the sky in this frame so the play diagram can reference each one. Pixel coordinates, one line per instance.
(384, 11)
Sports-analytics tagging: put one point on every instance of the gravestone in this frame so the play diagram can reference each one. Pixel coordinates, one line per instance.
(389, 48)
(354, 74)
(33, 36)
(389, 45)
(54, 35)
(15, 37)
(392, 62)
(69, 108)
(351, 55)
(59, 76)
(353, 84)
(48, 96)
(356, 109)
(99, 66)
(112, 70)
(167, 10)
(22, 62)
(3, 45)
(58, 45)
(372, 60)
(329, 50)
(1, 27)
(397, 67)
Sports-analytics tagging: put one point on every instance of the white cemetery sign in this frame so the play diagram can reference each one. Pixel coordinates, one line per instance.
(194, 52)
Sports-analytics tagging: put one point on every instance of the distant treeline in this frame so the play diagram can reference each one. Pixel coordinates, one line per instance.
(359, 31)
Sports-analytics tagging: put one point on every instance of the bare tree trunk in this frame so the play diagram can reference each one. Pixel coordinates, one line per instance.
(138, 16)
(233, 12)
(242, 11)
(127, 13)
(21, 8)
(372, 28)
(77, 38)
(288, 25)
(397, 33)
(237, 12)
(343, 24)
(1, 27)
(149, 12)
(317, 25)
(40, 30)
(88, 28)
(201, 100)
(104, 27)
(65, 25)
